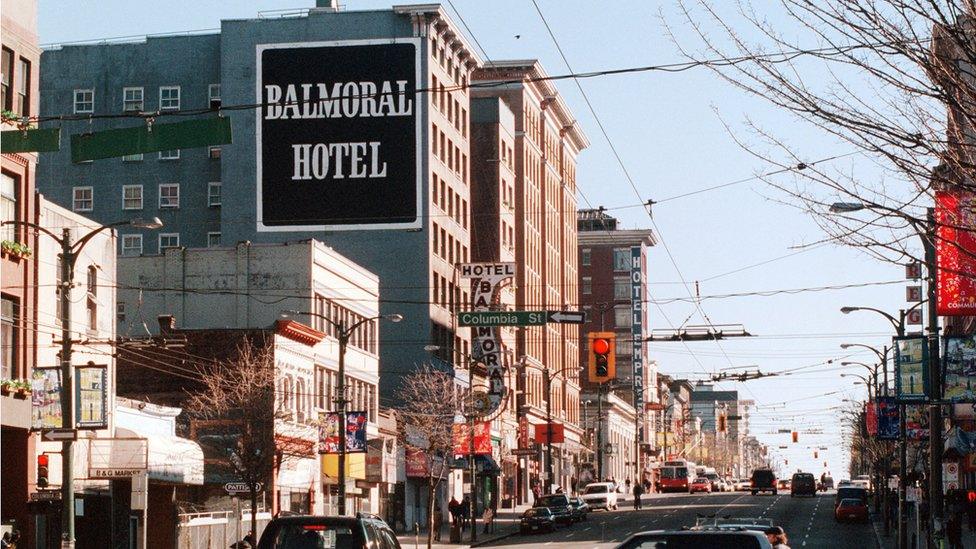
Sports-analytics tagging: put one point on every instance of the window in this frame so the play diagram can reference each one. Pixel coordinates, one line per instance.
(131, 245)
(213, 193)
(132, 158)
(6, 78)
(621, 287)
(585, 254)
(213, 93)
(84, 101)
(169, 97)
(168, 240)
(23, 87)
(621, 259)
(132, 99)
(132, 197)
(213, 153)
(169, 195)
(587, 285)
(92, 298)
(173, 154)
(83, 199)
(622, 319)
(8, 338)
(8, 206)
(213, 240)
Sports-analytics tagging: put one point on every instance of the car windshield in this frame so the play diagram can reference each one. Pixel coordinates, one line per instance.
(712, 476)
(596, 489)
(314, 536)
(551, 501)
(701, 480)
(696, 540)
(536, 512)
(744, 521)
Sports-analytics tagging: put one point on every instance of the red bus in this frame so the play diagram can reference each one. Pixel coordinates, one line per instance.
(676, 476)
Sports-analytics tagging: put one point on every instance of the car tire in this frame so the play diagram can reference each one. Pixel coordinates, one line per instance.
(775, 492)
(753, 492)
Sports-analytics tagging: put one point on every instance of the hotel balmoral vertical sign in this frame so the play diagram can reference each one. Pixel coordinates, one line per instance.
(338, 135)
(637, 328)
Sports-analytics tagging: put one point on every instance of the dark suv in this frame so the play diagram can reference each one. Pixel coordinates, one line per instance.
(803, 484)
(562, 511)
(763, 480)
(360, 532)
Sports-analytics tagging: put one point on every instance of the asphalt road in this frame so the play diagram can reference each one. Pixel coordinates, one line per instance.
(809, 522)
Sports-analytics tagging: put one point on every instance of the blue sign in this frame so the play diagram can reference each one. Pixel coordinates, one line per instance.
(887, 418)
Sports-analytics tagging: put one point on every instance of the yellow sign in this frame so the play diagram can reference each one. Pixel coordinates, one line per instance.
(355, 466)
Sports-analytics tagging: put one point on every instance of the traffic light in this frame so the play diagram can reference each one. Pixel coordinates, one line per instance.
(796, 437)
(721, 424)
(816, 455)
(602, 365)
(42, 462)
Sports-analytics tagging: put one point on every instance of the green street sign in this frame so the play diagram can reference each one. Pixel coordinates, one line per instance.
(502, 318)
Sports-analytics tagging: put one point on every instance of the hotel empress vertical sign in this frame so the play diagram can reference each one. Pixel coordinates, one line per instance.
(338, 135)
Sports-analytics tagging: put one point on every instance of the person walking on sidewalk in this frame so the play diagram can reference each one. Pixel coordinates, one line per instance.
(438, 521)
(638, 492)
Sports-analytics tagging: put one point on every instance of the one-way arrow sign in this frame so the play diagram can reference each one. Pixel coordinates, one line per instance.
(60, 434)
(566, 317)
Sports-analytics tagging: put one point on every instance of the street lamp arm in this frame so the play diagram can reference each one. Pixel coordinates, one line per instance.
(343, 330)
(894, 321)
(80, 243)
(33, 226)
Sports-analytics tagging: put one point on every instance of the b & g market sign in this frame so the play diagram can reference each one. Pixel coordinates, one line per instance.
(338, 135)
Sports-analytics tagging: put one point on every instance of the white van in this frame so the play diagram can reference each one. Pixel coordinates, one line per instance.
(600, 495)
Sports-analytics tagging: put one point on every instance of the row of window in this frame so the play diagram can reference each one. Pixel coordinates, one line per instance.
(9, 313)
(447, 294)
(133, 99)
(448, 153)
(9, 205)
(450, 107)
(447, 247)
(83, 198)
(132, 243)
(362, 395)
(621, 258)
(450, 65)
(449, 201)
(18, 103)
(329, 314)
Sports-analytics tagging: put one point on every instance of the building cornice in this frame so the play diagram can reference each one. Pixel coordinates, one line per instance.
(630, 237)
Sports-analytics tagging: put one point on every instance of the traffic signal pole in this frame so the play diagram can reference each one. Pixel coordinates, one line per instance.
(935, 385)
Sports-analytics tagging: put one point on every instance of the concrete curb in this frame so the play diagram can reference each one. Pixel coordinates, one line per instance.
(497, 537)
(877, 534)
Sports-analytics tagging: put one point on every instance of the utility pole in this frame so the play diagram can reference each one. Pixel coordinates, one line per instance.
(548, 381)
(67, 394)
(935, 383)
(599, 433)
(340, 401)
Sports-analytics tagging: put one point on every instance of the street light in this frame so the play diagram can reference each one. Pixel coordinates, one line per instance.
(882, 358)
(926, 231)
(343, 333)
(69, 257)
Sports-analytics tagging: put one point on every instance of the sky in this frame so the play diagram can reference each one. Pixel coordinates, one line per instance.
(674, 133)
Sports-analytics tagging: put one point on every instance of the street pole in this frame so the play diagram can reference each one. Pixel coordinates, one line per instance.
(343, 337)
(473, 471)
(599, 432)
(548, 381)
(935, 384)
(67, 395)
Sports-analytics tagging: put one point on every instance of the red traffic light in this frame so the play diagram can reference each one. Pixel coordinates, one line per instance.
(601, 346)
(971, 496)
(42, 460)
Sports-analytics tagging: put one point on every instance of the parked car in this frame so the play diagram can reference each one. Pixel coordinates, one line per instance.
(362, 531)
(600, 495)
(715, 480)
(851, 509)
(803, 484)
(763, 480)
(701, 484)
(537, 519)
(580, 508)
(713, 539)
(558, 504)
(851, 492)
(743, 485)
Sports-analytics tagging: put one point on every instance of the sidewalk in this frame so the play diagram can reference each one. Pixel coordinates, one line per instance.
(891, 540)
(505, 525)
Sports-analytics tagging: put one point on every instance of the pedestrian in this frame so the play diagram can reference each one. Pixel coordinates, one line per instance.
(638, 492)
(454, 507)
(777, 537)
(438, 520)
(574, 485)
(536, 491)
(465, 512)
(627, 484)
(489, 518)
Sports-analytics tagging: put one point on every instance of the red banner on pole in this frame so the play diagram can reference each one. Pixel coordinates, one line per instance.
(482, 439)
(871, 417)
(956, 253)
(555, 430)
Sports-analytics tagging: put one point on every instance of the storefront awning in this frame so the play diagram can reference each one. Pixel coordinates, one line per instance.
(170, 458)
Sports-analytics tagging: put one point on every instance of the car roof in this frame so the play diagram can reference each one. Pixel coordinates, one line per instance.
(321, 519)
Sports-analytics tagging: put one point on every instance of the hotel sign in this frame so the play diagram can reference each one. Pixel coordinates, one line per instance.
(338, 135)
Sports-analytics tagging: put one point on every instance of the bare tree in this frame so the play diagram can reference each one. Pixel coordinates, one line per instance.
(430, 400)
(234, 413)
(892, 79)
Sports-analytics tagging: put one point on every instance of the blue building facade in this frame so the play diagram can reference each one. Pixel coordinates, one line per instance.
(207, 197)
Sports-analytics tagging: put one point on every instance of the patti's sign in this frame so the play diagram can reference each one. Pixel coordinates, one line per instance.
(338, 135)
